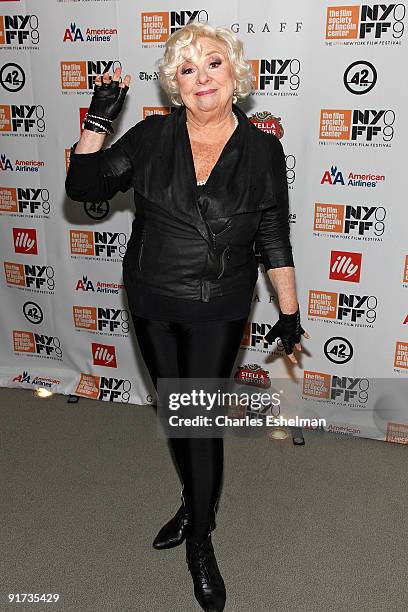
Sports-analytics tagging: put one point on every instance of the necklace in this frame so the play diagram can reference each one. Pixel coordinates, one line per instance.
(203, 182)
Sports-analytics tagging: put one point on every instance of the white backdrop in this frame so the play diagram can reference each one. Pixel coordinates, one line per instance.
(330, 83)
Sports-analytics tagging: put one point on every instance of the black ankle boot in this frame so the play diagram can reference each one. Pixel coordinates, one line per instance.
(173, 533)
(209, 587)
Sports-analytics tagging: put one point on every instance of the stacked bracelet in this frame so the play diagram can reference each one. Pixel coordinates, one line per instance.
(104, 127)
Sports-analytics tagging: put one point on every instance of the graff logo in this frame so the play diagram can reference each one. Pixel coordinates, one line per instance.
(360, 22)
(366, 125)
(39, 344)
(343, 389)
(354, 221)
(345, 266)
(34, 277)
(104, 355)
(25, 240)
(24, 200)
(100, 319)
(342, 306)
(98, 244)
(81, 74)
(22, 118)
(334, 176)
(19, 29)
(252, 374)
(156, 27)
(275, 74)
(74, 34)
(265, 121)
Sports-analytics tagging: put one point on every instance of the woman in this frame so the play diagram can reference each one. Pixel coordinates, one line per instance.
(208, 186)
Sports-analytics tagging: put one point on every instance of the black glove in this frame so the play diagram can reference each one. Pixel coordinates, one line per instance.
(106, 104)
(288, 329)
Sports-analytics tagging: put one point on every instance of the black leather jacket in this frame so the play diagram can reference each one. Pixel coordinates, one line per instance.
(172, 249)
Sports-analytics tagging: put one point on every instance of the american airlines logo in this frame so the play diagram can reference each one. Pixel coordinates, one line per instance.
(345, 266)
(104, 355)
(25, 240)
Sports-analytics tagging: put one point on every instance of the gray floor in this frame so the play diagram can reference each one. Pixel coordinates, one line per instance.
(85, 488)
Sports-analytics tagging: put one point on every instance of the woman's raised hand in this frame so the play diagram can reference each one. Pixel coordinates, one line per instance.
(107, 101)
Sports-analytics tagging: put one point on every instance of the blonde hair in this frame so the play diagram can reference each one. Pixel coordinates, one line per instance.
(189, 35)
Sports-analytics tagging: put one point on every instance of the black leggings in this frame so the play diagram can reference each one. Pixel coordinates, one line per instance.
(173, 349)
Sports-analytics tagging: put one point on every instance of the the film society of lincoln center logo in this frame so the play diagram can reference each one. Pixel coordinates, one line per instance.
(343, 390)
(33, 344)
(80, 74)
(101, 320)
(357, 310)
(107, 246)
(22, 118)
(105, 388)
(19, 31)
(32, 277)
(364, 126)
(276, 76)
(29, 202)
(365, 223)
(365, 23)
(157, 26)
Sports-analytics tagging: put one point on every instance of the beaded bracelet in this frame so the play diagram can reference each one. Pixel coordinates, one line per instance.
(107, 129)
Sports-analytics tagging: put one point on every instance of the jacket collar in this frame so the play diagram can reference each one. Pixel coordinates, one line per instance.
(172, 182)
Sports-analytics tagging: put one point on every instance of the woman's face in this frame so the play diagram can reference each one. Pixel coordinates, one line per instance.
(206, 83)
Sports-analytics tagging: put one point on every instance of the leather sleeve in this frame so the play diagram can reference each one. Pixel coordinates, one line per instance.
(93, 177)
(272, 239)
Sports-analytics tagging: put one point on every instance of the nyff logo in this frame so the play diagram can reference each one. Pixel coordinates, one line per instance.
(275, 74)
(377, 21)
(22, 118)
(104, 355)
(356, 124)
(157, 26)
(20, 29)
(25, 240)
(345, 266)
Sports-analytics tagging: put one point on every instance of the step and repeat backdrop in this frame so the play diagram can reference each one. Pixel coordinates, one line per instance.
(330, 82)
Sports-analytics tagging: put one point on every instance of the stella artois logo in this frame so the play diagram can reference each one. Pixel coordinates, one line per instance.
(265, 121)
(252, 374)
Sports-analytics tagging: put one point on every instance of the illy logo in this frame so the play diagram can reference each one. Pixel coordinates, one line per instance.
(25, 240)
(345, 266)
(104, 355)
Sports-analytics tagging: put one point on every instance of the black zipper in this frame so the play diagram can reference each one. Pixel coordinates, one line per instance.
(141, 250)
(213, 236)
(227, 253)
